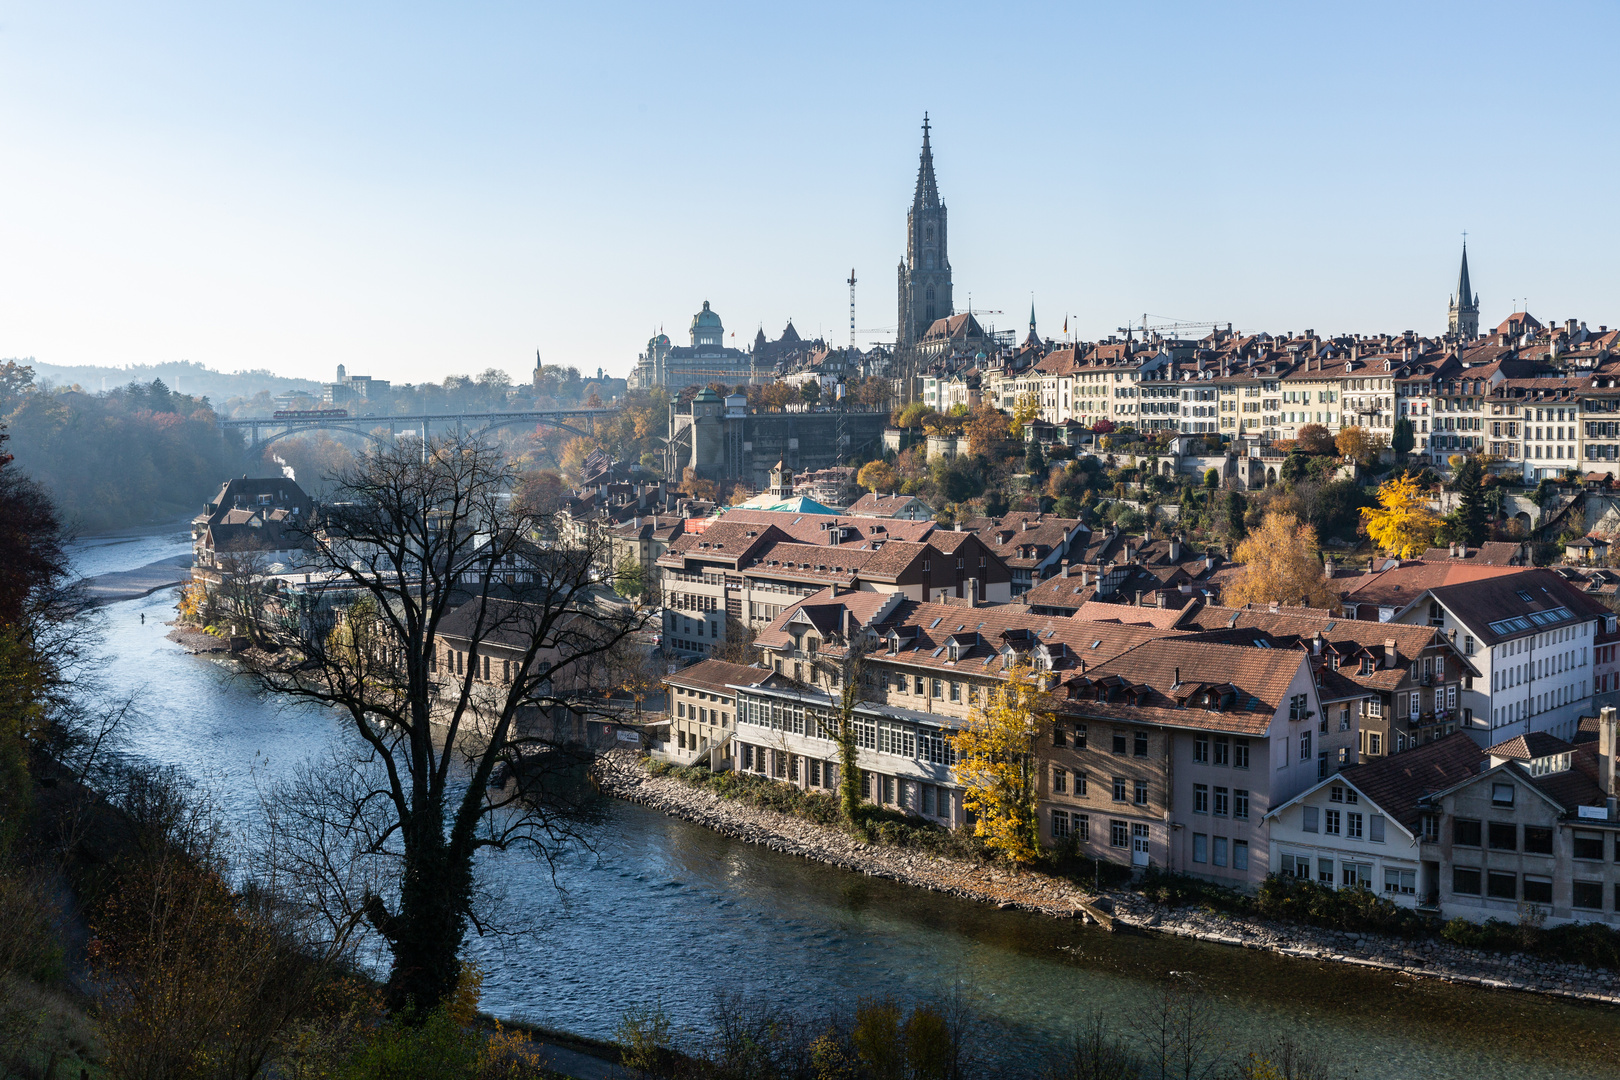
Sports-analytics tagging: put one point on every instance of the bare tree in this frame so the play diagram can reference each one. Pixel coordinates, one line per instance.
(240, 593)
(425, 539)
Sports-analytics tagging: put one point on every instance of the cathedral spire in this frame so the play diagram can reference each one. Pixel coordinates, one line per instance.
(1465, 293)
(927, 196)
(1462, 317)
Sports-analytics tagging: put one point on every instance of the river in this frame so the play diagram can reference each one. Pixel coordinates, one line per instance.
(664, 911)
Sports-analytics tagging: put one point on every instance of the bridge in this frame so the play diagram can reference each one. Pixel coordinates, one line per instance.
(579, 421)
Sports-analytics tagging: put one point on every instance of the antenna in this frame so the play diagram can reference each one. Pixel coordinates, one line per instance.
(851, 357)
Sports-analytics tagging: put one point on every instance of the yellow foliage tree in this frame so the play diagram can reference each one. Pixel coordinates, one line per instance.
(1402, 523)
(986, 430)
(1027, 409)
(995, 759)
(1280, 564)
(877, 476)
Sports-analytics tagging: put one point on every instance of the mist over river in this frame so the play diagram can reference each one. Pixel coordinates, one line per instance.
(662, 910)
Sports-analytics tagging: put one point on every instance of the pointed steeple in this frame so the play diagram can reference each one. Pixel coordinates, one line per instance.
(927, 196)
(1033, 338)
(1464, 293)
(1462, 314)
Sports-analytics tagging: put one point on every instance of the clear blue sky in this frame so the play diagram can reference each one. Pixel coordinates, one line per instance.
(419, 189)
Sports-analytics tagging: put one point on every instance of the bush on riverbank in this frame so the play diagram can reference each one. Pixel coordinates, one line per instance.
(1592, 944)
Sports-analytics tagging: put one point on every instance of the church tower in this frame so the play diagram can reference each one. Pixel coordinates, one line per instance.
(925, 273)
(1462, 316)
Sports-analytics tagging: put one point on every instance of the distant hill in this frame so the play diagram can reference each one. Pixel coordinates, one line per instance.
(181, 376)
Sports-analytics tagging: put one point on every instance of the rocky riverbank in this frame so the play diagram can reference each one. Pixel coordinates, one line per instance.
(1057, 898)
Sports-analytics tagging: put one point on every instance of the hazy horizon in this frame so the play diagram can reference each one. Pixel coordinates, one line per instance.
(414, 192)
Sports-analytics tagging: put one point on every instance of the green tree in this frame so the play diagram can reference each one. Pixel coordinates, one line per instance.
(1469, 523)
(1403, 439)
(1237, 508)
(630, 579)
(1212, 479)
(1034, 461)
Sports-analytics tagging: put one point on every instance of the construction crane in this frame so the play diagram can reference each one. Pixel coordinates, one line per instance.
(1159, 327)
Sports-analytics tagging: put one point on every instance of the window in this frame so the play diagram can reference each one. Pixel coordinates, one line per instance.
(1080, 784)
(1119, 789)
(1200, 847)
(1223, 802)
(1057, 735)
(956, 691)
(1431, 829)
(917, 688)
(1503, 835)
(1296, 706)
(1311, 815)
(1079, 736)
(1201, 750)
(1220, 851)
(1304, 746)
(1587, 894)
(1374, 743)
(1537, 890)
(1060, 781)
(1080, 824)
(1060, 824)
(1501, 794)
(1352, 826)
(1118, 835)
(1588, 845)
(1465, 880)
(1336, 793)
(1200, 798)
(1355, 875)
(1119, 743)
(1375, 829)
(1324, 871)
(1240, 753)
(1403, 882)
(1331, 826)
(1141, 744)
(1240, 803)
(1141, 793)
(1502, 885)
(1538, 840)
(1465, 832)
(1223, 750)
(1240, 854)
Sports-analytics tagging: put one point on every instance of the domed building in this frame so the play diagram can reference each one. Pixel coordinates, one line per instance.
(705, 361)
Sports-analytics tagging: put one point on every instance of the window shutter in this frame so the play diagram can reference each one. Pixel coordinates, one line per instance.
(1375, 829)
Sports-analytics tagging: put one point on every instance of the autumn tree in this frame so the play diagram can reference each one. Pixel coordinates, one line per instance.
(1280, 565)
(1358, 444)
(779, 396)
(986, 430)
(1314, 439)
(877, 476)
(1028, 408)
(995, 758)
(1402, 523)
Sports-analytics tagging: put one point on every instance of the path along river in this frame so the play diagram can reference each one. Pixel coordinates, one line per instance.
(666, 911)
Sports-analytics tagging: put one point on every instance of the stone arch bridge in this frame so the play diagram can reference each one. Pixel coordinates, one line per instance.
(264, 431)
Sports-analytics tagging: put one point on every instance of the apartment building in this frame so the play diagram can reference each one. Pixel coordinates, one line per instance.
(1032, 545)
(703, 709)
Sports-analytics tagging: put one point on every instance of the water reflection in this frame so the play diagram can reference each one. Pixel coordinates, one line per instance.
(662, 910)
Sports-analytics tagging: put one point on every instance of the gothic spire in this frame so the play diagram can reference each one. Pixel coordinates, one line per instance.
(1465, 293)
(927, 196)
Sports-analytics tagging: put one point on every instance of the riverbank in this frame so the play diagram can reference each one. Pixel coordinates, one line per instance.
(1031, 891)
(142, 581)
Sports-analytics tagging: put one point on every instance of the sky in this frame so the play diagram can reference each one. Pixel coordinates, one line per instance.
(415, 190)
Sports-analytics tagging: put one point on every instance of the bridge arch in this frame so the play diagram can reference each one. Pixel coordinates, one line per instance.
(264, 444)
(531, 422)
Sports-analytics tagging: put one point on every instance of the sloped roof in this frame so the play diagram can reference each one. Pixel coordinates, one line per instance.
(1528, 747)
(818, 529)
(1399, 585)
(716, 676)
(1399, 782)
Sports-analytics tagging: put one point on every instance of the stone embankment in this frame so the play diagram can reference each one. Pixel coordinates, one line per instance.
(1035, 892)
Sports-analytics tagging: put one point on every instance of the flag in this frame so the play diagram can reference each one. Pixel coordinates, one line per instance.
(1065, 324)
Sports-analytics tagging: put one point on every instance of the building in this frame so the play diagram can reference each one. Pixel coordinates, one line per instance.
(707, 359)
(1033, 545)
(251, 524)
(354, 391)
(723, 439)
(703, 710)
(905, 507)
(1363, 828)
(925, 272)
(1462, 313)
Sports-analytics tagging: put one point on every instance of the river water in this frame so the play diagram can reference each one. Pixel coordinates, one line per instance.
(664, 911)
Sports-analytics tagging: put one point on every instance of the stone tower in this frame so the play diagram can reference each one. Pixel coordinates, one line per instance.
(1462, 316)
(925, 273)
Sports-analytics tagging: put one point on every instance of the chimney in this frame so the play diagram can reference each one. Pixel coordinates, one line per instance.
(1025, 526)
(1328, 566)
(1085, 577)
(1209, 561)
(1389, 652)
(1274, 607)
(1607, 736)
(1175, 548)
(1138, 597)
(1065, 567)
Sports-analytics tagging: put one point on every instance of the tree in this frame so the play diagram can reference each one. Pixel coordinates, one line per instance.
(1280, 565)
(780, 395)
(1028, 408)
(810, 391)
(1469, 517)
(1402, 523)
(995, 757)
(1294, 466)
(1237, 509)
(1355, 443)
(1212, 479)
(1403, 439)
(1034, 461)
(422, 538)
(877, 476)
(241, 591)
(986, 430)
(1314, 439)
(630, 579)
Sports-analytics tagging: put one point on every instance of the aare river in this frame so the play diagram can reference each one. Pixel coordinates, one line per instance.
(664, 911)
